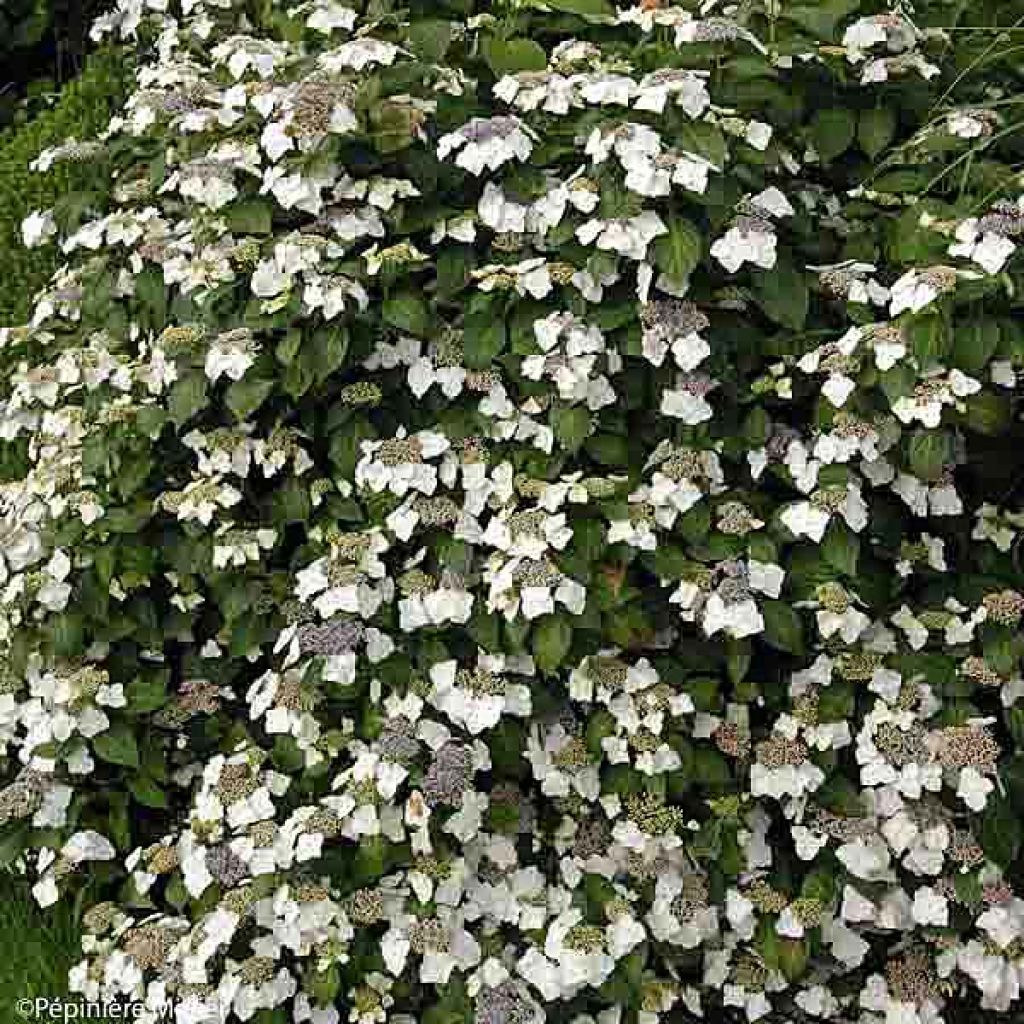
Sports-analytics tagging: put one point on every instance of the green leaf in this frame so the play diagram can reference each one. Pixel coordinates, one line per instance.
(484, 337)
(13, 844)
(250, 217)
(929, 338)
(783, 629)
(145, 695)
(875, 129)
(841, 547)
(590, 10)
(820, 19)
(151, 294)
(245, 396)
(147, 792)
(928, 451)
(408, 312)
(793, 957)
(1001, 832)
(608, 449)
(507, 56)
(832, 131)
(571, 425)
(117, 745)
(551, 640)
(988, 414)
(392, 126)
(187, 397)
(974, 344)
(430, 38)
(678, 252)
(782, 294)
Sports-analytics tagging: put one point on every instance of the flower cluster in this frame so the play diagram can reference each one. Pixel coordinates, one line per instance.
(507, 515)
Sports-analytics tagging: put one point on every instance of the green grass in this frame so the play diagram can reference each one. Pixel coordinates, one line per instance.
(37, 947)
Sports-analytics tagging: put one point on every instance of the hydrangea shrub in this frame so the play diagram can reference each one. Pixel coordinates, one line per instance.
(510, 513)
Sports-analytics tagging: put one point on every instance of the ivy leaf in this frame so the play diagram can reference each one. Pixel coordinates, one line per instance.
(552, 638)
(117, 746)
(507, 56)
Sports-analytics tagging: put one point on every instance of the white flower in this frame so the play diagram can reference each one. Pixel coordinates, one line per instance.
(230, 355)
(973, 788)
(746, 243)
(866, 859)
(930, 907)
(37, 228)
(986, 248)
(629, 236)
(487, 143)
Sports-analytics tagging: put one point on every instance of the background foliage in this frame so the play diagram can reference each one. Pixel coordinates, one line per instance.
(84, 107)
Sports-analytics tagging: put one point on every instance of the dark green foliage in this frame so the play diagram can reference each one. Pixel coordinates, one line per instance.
(84, 108)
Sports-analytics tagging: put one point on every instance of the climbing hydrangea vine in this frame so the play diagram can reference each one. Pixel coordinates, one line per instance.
(510, 513)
